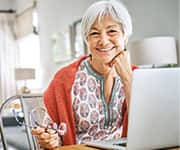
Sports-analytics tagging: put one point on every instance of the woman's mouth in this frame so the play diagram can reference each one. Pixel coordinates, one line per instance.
(105, 49)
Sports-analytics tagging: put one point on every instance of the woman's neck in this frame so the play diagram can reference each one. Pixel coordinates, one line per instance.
(103, 69)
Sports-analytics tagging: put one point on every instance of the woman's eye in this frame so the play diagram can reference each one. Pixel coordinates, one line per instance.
(93, 33)
(112, 31)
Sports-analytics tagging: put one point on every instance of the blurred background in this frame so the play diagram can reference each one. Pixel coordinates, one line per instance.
(44, 35)
(38, 37)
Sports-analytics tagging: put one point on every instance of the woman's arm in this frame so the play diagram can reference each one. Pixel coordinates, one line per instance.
(123, 67)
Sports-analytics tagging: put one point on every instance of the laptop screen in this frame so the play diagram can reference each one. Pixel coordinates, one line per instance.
(154, 109)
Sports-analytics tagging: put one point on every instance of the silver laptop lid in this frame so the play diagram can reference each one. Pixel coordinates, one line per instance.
(154, 109)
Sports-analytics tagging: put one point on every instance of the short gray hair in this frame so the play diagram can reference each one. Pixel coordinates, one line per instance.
(99, 9)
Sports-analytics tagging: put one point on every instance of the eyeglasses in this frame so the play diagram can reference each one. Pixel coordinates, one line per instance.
(39, 117)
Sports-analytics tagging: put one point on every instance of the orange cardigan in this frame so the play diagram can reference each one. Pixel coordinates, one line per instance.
(57, 99)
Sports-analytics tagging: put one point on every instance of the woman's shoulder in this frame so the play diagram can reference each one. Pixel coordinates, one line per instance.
(70, 69)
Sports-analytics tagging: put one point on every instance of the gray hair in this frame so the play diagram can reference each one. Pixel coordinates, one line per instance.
(101, 8)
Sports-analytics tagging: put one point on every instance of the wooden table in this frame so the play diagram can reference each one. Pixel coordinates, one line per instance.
(76, 147)
(84, 147)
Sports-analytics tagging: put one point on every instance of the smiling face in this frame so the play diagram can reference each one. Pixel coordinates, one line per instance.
(105, 40)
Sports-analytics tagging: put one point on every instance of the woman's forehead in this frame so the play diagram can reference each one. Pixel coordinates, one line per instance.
(105, 20)
(102, 18)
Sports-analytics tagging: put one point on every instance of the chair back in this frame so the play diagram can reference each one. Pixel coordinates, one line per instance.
(27, 102)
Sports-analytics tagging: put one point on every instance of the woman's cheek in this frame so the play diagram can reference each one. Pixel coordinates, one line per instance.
(121, 43)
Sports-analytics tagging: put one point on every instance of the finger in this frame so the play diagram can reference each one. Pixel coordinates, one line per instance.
(44, 141)
(43, 136)
(117, 55)
(122, 58)
(122, 64)
(50, 145)
(54, 143)
(126, 59)
(119, 60)
(37, 130)
(50, 131)
(46, 136)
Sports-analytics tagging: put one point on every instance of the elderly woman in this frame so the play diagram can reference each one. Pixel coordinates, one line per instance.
(92, 94)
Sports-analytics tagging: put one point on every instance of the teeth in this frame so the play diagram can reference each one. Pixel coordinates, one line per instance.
(105, 49)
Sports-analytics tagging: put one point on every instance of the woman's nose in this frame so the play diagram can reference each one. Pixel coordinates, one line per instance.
(104, 39)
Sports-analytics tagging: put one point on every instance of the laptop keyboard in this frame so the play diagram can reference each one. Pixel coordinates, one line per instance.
(120, 144)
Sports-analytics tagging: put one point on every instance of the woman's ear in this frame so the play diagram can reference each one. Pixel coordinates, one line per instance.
(125, 42)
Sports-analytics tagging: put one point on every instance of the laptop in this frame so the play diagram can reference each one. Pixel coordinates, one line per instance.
(154, 115)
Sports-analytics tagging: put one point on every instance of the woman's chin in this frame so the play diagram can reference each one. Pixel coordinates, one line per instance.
(105, 60)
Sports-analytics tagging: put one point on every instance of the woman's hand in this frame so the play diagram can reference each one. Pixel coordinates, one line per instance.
(122, 65)
(47, 138)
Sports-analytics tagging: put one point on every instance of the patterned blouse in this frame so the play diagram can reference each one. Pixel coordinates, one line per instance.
(94, 118)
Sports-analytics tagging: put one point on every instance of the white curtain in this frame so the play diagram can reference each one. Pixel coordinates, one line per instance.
(8, 56)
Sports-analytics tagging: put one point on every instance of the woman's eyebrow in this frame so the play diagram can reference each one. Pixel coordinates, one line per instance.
(93, 28)
(112, 26)
(108, 27)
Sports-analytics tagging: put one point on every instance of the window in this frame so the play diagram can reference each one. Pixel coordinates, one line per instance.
(29, 57)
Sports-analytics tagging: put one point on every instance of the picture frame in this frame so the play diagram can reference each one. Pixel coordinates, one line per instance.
(78, 46)
(61, 46)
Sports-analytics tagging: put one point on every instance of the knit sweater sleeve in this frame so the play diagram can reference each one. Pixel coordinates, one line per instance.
(50, 101)
(57, 96)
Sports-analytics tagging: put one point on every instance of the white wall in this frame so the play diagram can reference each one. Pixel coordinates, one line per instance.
(6, 4)
(153, 17)
(150, 18)
(22, 5)
(55, 16)
(179, 33)
(18, 5)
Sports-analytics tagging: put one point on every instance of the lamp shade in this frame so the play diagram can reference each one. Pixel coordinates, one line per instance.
(24, 73)
(153, 51)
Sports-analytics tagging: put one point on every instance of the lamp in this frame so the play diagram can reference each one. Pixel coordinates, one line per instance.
(155, 51)
(24, 74)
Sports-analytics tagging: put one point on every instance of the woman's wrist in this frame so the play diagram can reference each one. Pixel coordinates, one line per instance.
(127, 88)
